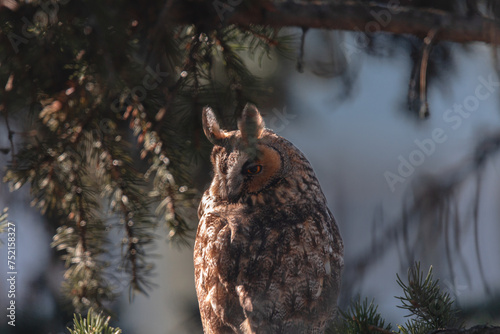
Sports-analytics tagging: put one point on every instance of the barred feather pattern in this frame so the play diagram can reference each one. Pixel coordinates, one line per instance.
(268, 254)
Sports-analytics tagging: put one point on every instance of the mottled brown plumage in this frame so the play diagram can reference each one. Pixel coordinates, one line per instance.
(268, 254)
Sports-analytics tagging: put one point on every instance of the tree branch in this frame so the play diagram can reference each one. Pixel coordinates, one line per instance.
(348, 15)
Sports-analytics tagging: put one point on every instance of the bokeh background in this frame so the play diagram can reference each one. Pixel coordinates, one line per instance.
(348, 113)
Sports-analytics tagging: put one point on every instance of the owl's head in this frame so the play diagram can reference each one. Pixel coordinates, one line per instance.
(247, 161)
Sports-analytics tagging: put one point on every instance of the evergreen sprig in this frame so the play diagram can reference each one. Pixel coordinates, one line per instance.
(428, 305)
(362, 317)
(415, 327)
(123, 187)
(92, 324)
(105, 111)
(83, 238)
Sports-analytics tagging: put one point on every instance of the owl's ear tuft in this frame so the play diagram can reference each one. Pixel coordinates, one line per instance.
(212, 129)
(251, 124)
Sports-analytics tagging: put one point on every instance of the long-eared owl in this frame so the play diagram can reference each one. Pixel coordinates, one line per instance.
(268, 254)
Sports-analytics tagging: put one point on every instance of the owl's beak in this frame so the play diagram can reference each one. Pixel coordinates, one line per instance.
(233, 196)
(234, 190)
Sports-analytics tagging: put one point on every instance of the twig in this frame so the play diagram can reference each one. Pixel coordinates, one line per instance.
(300, 61)
(266, 39)
(428, 41)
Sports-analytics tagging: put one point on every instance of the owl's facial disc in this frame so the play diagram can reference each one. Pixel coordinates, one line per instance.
(268, 164)
(249, 176)
(246, 164)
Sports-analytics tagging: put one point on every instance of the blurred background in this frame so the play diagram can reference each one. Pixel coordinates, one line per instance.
(399, 192)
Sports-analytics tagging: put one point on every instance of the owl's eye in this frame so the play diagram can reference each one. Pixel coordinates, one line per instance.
(253, 170)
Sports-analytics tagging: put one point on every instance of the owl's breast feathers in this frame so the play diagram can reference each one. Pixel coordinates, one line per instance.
(263, 271)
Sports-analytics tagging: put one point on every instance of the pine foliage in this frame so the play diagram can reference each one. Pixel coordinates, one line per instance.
(93, 324)
(429, 308)
(103, 104)
(361, 317)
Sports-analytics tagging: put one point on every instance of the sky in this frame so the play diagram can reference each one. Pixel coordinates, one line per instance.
(354, 143)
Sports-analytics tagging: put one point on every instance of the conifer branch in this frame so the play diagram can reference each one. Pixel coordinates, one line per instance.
(123, 188)
(84, 278)
(352, 16)
(360, 317)
(93, 324)
(71, 162)
(423, 298)
(164, 190)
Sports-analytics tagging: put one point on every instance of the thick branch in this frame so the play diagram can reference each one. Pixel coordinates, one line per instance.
(352, 16)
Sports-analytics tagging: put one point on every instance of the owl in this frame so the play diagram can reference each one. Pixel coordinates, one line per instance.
(268, 254)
